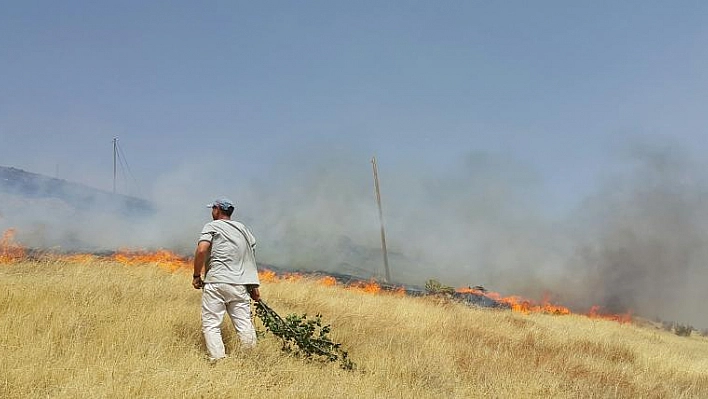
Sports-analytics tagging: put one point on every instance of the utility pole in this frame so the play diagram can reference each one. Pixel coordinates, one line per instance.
(383, 233)
(115, 150)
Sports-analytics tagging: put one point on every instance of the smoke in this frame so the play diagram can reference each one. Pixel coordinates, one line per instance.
(47, 222)
(59, 215)
(637, 243)
(643, 239)
(476, 225)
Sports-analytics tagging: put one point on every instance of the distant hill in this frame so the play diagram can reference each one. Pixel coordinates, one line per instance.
(32, 185)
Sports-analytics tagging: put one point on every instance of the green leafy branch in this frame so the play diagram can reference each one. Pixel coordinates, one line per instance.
(302, 336)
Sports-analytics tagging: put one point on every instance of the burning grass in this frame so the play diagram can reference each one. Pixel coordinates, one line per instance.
(10, 251)
(163, 258)
(100, 328)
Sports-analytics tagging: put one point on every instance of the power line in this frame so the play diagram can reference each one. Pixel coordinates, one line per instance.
(121, 156)
(122, 174)
(115, 153)
(120, 161)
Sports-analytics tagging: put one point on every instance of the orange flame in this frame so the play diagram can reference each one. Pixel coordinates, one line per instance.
(328, 281)
(162, 258)
(10, 251)
(268, 276)
(369, 287)
(595, 313)
(526, 306)
(292, 277)
(519, 304)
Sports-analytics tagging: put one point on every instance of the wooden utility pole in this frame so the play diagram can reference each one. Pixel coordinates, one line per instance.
(115, 151)
(383, 232)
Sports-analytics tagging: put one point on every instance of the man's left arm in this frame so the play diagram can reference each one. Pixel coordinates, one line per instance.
(250, 239)
(254, 292)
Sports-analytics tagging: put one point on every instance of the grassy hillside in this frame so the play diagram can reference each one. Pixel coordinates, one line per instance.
(92, 329)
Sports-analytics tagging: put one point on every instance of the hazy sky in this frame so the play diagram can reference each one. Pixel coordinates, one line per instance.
(554, 86)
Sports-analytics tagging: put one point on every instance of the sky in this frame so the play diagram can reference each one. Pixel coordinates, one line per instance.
(558, 87)
(506, 133)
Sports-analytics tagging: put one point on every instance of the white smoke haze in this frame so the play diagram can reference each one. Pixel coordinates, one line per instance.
(644, 241)
(479, 224)
(54, 224)
(318, 215)
(639, 243)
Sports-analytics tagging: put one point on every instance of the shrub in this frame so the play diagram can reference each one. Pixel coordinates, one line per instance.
(434, 287)
(683, 330)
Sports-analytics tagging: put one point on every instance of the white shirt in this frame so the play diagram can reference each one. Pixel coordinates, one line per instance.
(232, 259)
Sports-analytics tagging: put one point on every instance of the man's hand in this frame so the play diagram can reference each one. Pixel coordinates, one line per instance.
(197, 283)
(254, 292)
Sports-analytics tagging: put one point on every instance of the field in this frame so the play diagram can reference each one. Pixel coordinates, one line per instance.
(89, 328)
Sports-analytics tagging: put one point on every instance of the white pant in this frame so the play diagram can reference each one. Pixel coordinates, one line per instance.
(218, 298)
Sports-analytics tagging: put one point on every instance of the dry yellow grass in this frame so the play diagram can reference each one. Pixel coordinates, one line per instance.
(101, 329)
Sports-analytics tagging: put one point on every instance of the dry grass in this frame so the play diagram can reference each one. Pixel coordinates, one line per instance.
(101, 329)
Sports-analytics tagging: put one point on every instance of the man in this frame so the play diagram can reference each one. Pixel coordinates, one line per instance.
(226, 249)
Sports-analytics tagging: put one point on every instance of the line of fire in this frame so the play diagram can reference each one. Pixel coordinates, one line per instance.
(12, 252)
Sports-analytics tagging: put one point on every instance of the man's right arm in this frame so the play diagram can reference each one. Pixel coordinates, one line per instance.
(200, 255)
